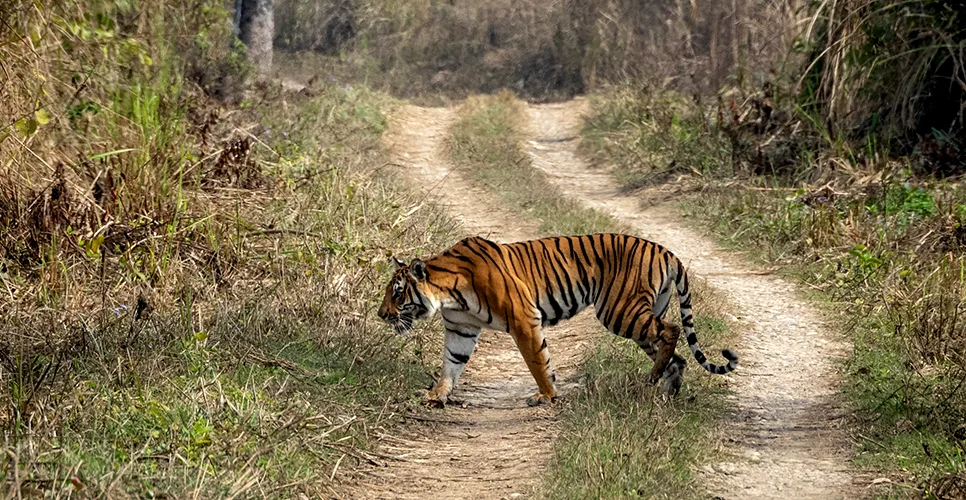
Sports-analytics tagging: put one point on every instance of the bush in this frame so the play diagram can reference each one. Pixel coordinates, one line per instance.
(891, 72)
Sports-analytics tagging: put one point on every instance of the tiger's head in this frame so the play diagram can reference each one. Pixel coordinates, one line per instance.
(407, 296)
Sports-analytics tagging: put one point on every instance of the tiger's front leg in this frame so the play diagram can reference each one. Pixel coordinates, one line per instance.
(533, 346)
(459, 342)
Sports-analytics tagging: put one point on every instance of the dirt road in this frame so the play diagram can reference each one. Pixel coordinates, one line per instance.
(496, 446)
(784, 439)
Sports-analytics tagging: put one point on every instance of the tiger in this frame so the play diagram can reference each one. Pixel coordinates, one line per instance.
(522, 287)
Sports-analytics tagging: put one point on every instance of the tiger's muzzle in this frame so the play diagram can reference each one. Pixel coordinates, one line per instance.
(402, 323)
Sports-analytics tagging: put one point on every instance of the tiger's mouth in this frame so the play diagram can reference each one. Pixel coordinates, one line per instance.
(401, 323)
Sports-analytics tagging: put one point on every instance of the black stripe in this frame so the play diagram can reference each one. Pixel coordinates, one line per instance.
(534, 271)
(520, 250)
(700, 358)
(463, 258)
(641, 308)
(620, 293)
(574, 307)
(486, 256)
(581, 273)
(460, 359)
(688, 321)
(548, 254)
(604, 297)
(461, 334)
(585, 278)
(557, 310)
(434, 267)
(662, 270)
(599, 285)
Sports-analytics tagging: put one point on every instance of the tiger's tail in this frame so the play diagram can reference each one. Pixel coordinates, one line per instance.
(687, 321)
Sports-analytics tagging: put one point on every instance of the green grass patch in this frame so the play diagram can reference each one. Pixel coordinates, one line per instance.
(622, 438)
(651, 135)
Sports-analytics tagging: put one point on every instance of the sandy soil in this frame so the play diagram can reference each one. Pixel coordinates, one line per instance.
(492, 445)
(785, 438)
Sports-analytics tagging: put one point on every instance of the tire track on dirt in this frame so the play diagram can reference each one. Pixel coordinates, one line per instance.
(785, 439)
(493, 445)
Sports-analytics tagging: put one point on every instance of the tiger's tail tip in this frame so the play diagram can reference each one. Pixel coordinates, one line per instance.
(732, 363)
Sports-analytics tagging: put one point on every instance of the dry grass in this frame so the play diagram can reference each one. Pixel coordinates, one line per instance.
(486, 142)
(187, 286)
(892, 74)
(425, 49)
(541, 50)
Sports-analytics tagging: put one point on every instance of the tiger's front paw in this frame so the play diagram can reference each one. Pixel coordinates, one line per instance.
(539, 399)
(434, 399)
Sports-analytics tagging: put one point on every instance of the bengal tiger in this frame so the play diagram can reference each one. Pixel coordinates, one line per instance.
(522, 287)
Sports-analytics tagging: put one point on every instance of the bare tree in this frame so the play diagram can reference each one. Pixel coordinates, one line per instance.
(256, 24)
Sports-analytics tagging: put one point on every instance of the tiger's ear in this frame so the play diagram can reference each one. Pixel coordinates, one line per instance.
(418, 269)
(396, 263)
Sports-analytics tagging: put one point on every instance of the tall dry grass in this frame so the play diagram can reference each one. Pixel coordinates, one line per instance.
(541, 50)
(185, 283)
(892, 72)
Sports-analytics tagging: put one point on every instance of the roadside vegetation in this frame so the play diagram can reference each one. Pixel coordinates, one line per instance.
(186, 284)
(621, 437)
(842, 165)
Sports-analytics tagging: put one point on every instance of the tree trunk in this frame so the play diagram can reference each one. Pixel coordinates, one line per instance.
(256, 26)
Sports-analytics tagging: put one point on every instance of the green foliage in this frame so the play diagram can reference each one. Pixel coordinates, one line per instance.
(904, 200)
(892, 256)
(882, 68)
(650, 135)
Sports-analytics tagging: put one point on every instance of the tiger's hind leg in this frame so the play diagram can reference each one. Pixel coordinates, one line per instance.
(532, 344)
(674, 373)
(647, 328)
